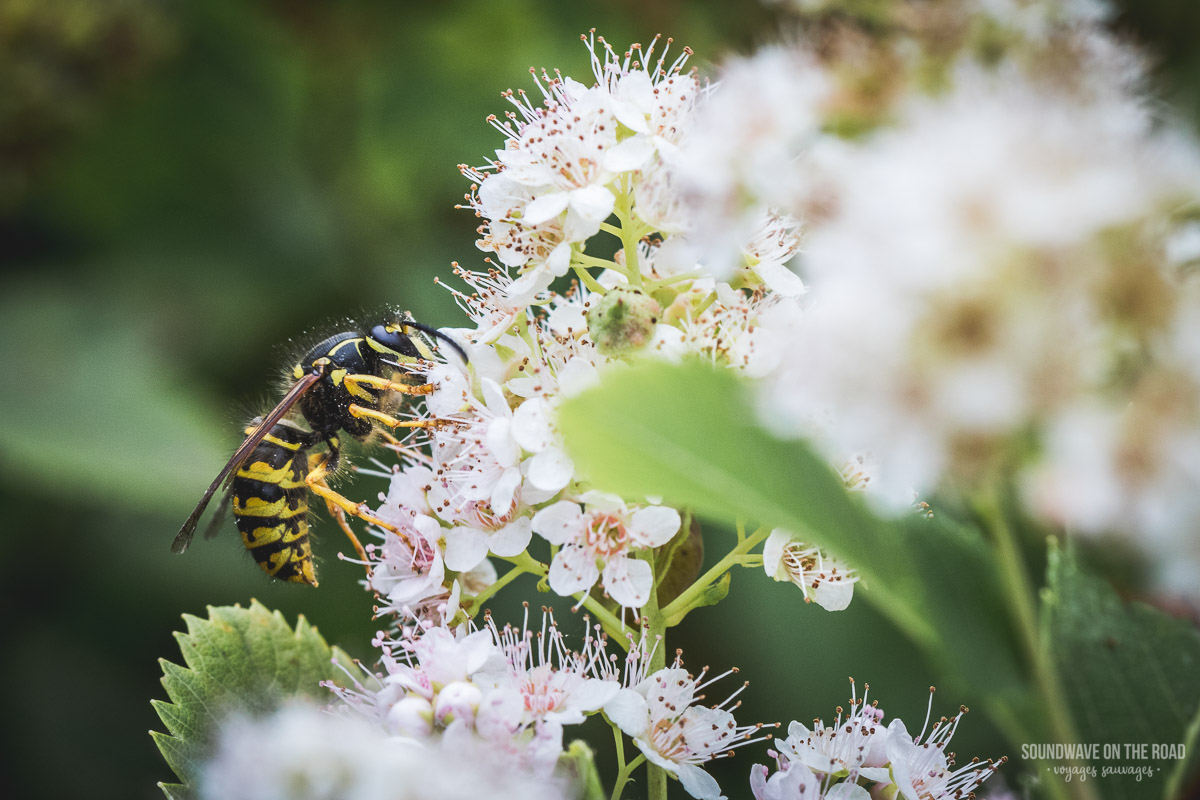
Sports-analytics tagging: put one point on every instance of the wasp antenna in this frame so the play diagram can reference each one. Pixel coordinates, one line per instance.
(439, 335)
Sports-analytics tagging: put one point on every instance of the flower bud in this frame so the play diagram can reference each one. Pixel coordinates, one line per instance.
(623, 321)
(412, 716)
(457, 700)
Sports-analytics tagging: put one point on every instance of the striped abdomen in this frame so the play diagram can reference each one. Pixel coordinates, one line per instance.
(270, 504)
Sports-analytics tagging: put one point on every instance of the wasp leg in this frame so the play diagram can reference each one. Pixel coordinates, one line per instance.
(387, 419)
(339, 505)
(377, 382)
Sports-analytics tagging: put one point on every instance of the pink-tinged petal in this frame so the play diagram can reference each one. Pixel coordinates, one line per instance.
(531, 425)
(465, 548)
(629, 712)
(654, 526)
(698, 783)
(847, 791)
(593, 203)
(551, 470)
(628, 581)
(758, 781)
(559, 523)
(512, 539)
(546, 207)
(572, 570)
(631, 154)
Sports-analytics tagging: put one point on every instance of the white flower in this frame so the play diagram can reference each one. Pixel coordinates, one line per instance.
(553, 682)
(824, 579)
(302, 753)
(797, 782)
(598, 542)
(855, 745)
(921, 768)
(658, 713)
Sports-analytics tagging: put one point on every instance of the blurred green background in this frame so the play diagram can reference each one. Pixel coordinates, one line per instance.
(185, 188)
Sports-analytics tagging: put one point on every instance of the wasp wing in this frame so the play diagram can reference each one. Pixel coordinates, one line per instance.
(184, 538)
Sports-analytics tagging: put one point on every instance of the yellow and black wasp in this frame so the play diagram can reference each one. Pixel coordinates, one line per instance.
(350, 382)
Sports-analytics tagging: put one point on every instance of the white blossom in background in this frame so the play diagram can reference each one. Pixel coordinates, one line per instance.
(302, 753)
(857, 754)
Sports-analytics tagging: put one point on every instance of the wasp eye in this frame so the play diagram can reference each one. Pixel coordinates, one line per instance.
(393, 338)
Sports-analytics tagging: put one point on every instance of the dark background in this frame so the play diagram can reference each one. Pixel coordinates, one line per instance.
(188, 191)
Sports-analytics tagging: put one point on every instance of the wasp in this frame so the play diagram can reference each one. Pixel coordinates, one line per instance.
(352, 382)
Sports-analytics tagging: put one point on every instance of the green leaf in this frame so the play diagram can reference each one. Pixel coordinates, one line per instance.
(239, 660)
(688, 433)
(1129, 672)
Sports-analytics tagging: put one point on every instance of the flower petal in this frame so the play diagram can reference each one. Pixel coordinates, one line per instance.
(465, 548)
(572, 570)
(546, 207)
(628, 581)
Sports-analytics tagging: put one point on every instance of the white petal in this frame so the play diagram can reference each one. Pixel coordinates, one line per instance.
(780, 279)
(577, 375)
(833, 595)
(654, 526)
(546, 207)
(526, 287)
(629, 712)
(559, 523)
(628, 581)
(593, 203)
(551, 470)
(512, 539)
(572, 570)
(504, 493)
(773, 552)
(531, 425)
(594, 693)
(630, 154)
(502, 444)
(559, 260)
(465, 548)
(698, 783)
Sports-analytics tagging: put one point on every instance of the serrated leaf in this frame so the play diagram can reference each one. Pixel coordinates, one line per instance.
(693, 440)
(239, 660)
(1130, 673)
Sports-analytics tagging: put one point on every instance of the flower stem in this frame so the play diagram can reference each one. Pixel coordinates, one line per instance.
(536, 568)
(587, 279)
(614, 627)
(1020, 594)
(656, 627)
(678, 608)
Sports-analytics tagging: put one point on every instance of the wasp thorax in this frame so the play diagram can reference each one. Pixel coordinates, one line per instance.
(623, 321)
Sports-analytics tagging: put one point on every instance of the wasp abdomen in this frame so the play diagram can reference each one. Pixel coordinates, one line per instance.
(270, 504)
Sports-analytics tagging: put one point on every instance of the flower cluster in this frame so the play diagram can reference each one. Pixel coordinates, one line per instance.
(1001, 272)
(857, 757)
(580, 165)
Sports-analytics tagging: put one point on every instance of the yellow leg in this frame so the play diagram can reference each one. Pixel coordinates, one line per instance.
(339, 506)
(377, 382)
(387, 419)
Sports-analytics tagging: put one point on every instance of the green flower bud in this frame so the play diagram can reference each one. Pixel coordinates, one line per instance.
(623, 320)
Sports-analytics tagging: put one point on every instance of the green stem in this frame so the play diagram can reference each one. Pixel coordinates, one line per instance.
(623, 776)
(629, 236)
(614, 627)
(522, 564)
(678, 608)
(583, 259)
(656, 629)
(1021, 595)
(653, 286)
(587, 279)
